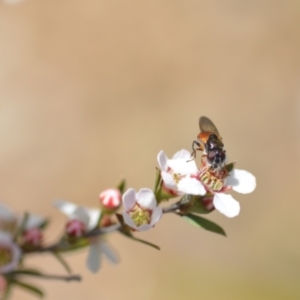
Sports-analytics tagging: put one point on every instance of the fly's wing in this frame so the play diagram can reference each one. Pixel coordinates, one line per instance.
(206, 125)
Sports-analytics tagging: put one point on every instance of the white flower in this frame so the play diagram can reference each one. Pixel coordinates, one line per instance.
(239, 180)
(10, 253)
(180, 174)
(98, 245)
(140, 209)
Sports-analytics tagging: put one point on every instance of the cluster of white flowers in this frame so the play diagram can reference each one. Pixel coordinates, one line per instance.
(180, 175)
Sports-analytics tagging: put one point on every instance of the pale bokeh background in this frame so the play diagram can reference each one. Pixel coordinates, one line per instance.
(90, 91)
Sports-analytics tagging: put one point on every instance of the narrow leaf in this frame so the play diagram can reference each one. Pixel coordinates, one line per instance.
(28, 287)
(62, 261)
(21, 227)
(157, 179)
(144, 242)
(45, 224)
(121, 186)
(204, 223)
(31, 272)
(126, 230)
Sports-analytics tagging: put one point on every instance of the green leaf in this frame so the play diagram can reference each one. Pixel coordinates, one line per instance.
(230, 167)
(21, 227)
(194, 204)
(126, 230)
(28, 287)
(203, 223)
(44, 224)
(121, 186)
(62, 261)
(157, 179)
(144, 242)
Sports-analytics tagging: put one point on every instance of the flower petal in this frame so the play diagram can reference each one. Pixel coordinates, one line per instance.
(128, 221)
(129, 199)
(33, 221)
(6, 214)
(15, 252)
(146, 198)
(94, 215)
(182, 154)
(241, 181)
(168, 180)
(108, 251)
(5, 237)
(93, 261)
(143, 227)
(191, 186)
(183, 166)
(65, 207)
(226, 205)
(156, 215)
(81, 214)
(162, 160)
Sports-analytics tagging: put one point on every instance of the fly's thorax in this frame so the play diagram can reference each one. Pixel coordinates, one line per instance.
(215, 154)
(214, 142)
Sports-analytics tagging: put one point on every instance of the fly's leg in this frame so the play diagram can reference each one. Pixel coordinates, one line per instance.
(196, 145)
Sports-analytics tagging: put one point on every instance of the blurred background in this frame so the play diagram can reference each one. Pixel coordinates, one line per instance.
(91, 91)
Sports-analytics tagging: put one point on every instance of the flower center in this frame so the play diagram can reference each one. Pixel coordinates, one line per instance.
(177, 177)
(5, 256)
(8, 226)
(214, 181)
(140, 216)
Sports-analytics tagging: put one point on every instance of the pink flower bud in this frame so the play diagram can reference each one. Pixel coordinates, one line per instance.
(3, 284)
(33, 237)
(110, 200)
(75, 228)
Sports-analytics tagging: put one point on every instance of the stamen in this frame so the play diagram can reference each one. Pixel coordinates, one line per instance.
(5, 256)
(140, 216)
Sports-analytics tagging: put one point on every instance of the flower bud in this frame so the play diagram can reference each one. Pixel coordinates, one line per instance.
(75, 228)
(110, 200)
(33, 237)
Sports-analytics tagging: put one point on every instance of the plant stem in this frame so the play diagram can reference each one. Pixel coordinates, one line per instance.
(171, 208)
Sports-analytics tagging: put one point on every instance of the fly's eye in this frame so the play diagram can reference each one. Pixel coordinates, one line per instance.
(221, 156)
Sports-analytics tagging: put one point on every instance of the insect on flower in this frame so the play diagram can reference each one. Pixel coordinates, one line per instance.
(210, 143)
